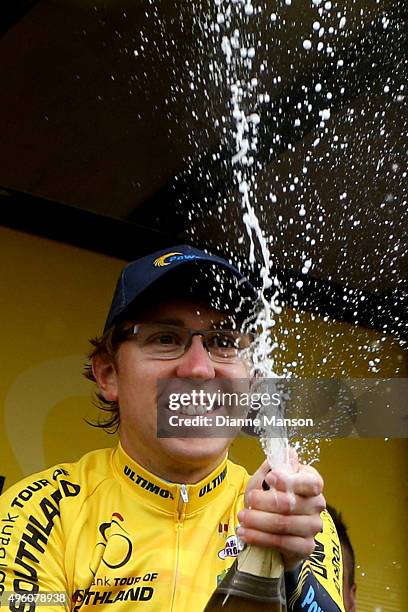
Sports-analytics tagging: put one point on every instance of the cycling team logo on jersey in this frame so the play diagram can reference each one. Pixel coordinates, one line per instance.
(230, 549)
(168, 258)
(118, 547)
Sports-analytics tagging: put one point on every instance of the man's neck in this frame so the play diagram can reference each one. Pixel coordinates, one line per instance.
(183, 472)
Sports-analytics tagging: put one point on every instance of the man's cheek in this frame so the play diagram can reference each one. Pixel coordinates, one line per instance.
(242, 370)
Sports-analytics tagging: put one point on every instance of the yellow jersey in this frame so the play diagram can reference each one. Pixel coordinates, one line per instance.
(105, 534)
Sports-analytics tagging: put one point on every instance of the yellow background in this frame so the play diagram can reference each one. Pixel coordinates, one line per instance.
(54, 297)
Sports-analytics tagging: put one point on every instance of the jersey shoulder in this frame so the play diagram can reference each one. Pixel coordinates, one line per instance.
(238, 476)
(33, 536)
(84, 474)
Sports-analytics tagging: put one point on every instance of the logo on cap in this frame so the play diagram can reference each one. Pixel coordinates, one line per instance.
(168, 258)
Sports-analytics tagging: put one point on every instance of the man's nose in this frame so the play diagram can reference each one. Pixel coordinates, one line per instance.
(196, 362)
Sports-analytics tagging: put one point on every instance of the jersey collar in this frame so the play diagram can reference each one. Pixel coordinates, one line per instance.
(168, 496)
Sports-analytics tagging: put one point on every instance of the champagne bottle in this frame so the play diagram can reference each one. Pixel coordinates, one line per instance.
(256, 581)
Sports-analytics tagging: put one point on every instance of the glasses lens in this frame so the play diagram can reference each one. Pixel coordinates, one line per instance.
(162, 341)
(224, 345)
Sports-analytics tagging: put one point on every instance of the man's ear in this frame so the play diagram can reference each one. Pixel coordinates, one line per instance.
(105, 375)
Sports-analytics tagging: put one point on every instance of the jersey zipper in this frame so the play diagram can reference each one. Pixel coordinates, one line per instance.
(182, 502)
(183, 499)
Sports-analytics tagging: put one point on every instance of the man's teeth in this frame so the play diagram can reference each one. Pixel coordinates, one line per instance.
(194, 410)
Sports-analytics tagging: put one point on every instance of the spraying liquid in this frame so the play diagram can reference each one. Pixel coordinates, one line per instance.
(233, 26)
(256, 579)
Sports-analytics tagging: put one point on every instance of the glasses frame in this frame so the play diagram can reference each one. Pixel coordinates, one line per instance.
(132, 331)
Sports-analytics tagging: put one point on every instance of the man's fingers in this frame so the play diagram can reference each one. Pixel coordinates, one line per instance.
(307, 481)
(284, 513)
(285, 503)
(261, 472)
(300, 547)
(280, 524)
(293, 459)
(257, 479)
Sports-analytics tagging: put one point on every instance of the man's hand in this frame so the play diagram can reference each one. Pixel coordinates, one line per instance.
(287, 516)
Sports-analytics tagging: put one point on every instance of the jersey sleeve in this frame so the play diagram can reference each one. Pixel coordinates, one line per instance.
(32, 553)
(317, 584)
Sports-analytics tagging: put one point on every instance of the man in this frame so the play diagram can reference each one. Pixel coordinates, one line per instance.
(152, 524)
(349, 562)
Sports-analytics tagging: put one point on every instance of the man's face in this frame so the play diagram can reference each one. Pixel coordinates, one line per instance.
(349, 588)
(133, 383)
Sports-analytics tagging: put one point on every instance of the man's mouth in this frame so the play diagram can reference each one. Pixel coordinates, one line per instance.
(191, 410)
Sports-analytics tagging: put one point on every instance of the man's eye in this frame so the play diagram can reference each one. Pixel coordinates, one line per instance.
(165, 339)
(223, 341)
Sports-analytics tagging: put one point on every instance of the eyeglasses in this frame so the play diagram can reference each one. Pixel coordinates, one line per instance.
(171, 341)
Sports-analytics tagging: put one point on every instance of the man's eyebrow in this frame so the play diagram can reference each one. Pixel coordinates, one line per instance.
(165, 321)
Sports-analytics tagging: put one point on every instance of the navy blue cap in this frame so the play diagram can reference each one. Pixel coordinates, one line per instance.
(141, 274)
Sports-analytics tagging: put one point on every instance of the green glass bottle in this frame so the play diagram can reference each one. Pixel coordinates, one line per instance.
(256, 581)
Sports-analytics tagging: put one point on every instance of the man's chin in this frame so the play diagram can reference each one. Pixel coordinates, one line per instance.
(196, 450)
